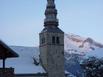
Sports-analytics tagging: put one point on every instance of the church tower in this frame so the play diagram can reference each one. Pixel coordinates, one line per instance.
(52, 43)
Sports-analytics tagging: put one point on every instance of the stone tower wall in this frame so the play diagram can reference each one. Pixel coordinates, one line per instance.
(52, 55)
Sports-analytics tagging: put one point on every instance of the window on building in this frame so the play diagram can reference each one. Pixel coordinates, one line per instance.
(43, 40)
(53, 40)
(58, 40)
(62, 52)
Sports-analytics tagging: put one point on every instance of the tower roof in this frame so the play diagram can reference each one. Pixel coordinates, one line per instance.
(50, 14)
(51, 21)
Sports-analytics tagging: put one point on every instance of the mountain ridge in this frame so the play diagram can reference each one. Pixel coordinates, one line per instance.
(75, 43)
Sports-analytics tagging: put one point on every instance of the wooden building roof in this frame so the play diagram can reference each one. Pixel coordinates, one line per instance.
(6, 52)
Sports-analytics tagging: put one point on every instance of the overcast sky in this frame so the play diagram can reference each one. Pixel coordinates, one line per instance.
(22, 20)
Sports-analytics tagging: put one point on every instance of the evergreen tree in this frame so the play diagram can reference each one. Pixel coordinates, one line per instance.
(93, 67)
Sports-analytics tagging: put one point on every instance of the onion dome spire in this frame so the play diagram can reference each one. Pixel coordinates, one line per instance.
(51, 15)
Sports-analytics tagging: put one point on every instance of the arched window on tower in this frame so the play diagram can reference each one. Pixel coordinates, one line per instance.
(58, 40)
(53, 39)
(43, 40)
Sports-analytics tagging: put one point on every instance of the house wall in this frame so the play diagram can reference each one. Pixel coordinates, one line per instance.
(7, 72)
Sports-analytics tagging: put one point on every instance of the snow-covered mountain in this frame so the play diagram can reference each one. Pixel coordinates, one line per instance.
(80, 45)
(76, 48)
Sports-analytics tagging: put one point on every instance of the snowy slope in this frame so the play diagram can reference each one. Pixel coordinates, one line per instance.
(96, 53)
(24, 64)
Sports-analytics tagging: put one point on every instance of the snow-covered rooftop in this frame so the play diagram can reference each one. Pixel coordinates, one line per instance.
(24, 64)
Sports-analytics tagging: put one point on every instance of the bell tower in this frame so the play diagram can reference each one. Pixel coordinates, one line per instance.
(52, 43)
